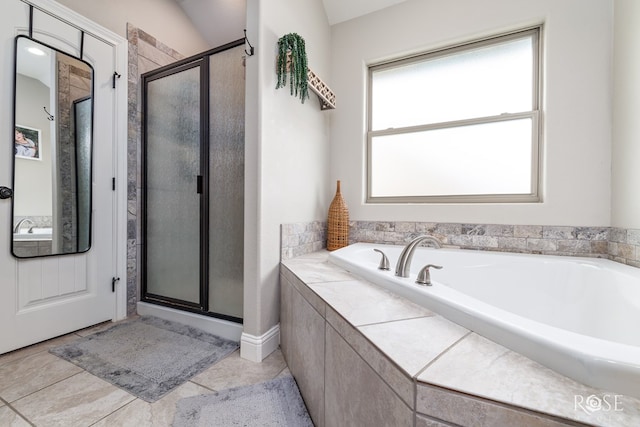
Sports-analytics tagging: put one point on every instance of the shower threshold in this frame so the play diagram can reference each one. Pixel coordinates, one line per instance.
(222, 328)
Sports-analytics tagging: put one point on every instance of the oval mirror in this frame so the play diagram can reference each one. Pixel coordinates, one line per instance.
(52, 150)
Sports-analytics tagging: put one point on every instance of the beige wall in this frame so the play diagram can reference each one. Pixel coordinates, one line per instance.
(164, 19)
(33, 177)
(287, 149)
(625, 206)
(576, 140)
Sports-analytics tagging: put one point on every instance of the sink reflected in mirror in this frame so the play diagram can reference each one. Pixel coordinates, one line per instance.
(53, 120)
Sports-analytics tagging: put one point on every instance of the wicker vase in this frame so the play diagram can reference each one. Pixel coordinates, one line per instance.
(338, 222)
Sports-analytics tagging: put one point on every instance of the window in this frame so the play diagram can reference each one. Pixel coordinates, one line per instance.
(457, 125)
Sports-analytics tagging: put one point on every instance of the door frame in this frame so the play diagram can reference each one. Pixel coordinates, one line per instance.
(119, 172)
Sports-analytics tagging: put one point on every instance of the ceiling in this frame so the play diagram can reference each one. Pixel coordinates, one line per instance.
(32, 65)
(219, 21)
(204, 12)
(343, 10)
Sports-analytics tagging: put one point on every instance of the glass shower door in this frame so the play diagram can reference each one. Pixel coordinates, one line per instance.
(193, 140)
(173, 163)
(226, 182)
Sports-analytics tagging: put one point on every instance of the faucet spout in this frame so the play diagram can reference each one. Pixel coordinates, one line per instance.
(16, 230)
(403, 265)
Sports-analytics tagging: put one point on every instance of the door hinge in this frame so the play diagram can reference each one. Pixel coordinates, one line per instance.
(113, 183)
(116, 75)
(114, 280)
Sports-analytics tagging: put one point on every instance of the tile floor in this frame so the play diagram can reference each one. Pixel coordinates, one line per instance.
(39, 389)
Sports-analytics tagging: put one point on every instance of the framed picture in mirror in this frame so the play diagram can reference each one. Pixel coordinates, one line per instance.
(27, 143)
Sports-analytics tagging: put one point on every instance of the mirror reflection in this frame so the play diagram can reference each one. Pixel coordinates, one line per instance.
(52, 149)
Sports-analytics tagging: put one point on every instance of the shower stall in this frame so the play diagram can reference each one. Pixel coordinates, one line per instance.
(193, 184)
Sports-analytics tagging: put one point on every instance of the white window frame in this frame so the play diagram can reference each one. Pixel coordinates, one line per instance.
(535, 195)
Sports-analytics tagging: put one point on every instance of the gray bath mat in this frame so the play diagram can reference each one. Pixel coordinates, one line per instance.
(148, 357)
(275, 403)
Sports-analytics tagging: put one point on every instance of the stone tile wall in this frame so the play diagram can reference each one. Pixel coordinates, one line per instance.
(535, 239)
(624, 246)
(302, 238)
(73, 83)
(619, 244)
(145, 54)
(39, 221)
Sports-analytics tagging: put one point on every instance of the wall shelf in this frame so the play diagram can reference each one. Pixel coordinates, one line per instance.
(325, 94)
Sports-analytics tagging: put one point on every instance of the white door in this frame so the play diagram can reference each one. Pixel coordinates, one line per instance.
(44, 297)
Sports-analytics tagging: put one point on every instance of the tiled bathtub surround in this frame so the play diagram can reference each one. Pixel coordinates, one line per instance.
(540, 239)
(302, 238)
(624, 246)
(364, 356)
(619, 244)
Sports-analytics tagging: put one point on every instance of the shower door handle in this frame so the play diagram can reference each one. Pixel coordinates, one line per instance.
(5, 193)
(199, 184)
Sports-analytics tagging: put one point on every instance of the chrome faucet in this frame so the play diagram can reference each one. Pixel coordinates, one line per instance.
(424, 278)
(384, 261)
(16, 230)
(404, 261)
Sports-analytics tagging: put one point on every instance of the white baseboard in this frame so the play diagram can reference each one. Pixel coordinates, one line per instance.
(222, 328)
(257, 348)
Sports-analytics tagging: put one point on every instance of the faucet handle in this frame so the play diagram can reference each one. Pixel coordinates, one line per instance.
(424, 278)
(384, 262)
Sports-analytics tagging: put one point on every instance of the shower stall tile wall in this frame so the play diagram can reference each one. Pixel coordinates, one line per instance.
(145, 53)
(618, 244)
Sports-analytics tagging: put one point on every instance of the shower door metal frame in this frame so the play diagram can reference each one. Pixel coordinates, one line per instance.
(200, 60)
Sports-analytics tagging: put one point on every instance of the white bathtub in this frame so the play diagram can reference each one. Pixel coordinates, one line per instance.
(578, 316)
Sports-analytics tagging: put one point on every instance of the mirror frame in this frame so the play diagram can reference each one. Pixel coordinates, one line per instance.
(91, 150)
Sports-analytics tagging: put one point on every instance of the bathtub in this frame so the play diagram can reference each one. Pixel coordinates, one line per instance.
(577, 316)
